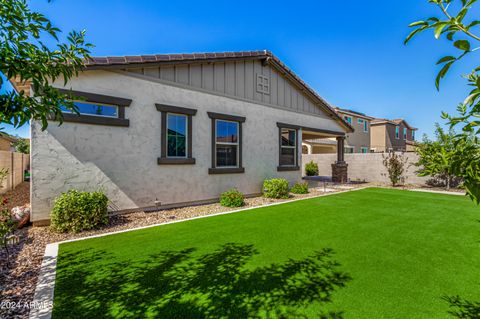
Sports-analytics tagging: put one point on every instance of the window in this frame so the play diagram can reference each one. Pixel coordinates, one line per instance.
(413, 135)
(364, 150)
(176, 135)
(405, 133)
(397, 132)
(360, 121)
(349, 149)
(288, 147)
(226, 143)
(96, 109)
(365, 126)
(348, 119)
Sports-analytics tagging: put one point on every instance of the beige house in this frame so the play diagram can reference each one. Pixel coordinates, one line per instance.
(6, 143)
(355, 142)
(392, 135)
(161, 131)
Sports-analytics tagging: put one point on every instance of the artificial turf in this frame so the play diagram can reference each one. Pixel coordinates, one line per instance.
(372, 253)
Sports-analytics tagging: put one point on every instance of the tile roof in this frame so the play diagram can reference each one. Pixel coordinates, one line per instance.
(123, 61)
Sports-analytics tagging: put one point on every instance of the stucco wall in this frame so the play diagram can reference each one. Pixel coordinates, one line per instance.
(123, 161)
(364, 167)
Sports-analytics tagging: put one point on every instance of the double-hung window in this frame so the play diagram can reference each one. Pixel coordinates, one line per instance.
(226, 143)
(397, 132)
(288, 144)
(176, 134)
(92, 108)
(365, 126)
(405, 133)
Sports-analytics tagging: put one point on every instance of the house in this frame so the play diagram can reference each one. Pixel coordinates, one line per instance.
(356, 142)
(6, 142)
(159, 131)
(392, 135)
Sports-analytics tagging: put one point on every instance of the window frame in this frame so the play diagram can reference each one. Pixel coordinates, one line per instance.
(295, 167)
(187, 133)
(227, 118)
(405, 132)
(237, 143)
(366, 127)
(100, 99)
(397, 132)
(164, 159)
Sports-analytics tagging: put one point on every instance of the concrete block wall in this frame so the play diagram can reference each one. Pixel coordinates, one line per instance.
(365, 167)
(16, 163)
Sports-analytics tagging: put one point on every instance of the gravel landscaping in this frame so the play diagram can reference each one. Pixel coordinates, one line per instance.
(18, 281)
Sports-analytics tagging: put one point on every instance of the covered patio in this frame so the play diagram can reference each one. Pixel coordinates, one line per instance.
(339, 167)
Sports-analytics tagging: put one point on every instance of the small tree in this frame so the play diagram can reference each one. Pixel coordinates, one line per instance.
(25, 57)
(22, 146)
(395, 165)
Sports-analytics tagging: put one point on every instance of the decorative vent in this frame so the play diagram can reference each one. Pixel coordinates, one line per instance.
(263, 84)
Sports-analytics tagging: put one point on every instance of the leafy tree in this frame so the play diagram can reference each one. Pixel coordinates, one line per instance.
(395, 165)
(24, 56)
(22, 145)
(437, 158)
(453, 25)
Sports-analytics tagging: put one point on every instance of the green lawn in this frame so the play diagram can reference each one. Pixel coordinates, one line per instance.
(374, 253)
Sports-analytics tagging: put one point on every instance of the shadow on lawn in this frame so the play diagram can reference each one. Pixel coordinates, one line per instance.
(461, 308)
(178, 284)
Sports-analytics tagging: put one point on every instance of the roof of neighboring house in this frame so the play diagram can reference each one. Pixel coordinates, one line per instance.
(354, 113)
(156, 59)
(379, 121)
(8, 137)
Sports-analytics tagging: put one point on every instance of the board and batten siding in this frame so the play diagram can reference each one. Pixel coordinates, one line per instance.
(237, 79)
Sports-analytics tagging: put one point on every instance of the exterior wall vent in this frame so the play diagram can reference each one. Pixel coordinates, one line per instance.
(263, 84)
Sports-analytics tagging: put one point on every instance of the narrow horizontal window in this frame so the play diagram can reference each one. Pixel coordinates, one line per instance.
(89, 108)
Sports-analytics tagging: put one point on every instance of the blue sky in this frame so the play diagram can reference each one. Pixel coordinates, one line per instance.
(350, 52)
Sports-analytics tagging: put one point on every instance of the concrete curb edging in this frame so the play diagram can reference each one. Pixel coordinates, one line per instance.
(42, 305)
(44, 292)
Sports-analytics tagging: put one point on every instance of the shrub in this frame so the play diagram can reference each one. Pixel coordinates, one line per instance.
(300, 188)
(75, 211)
(275, 188)
(232, 198)
(395, 165)
(311, 169)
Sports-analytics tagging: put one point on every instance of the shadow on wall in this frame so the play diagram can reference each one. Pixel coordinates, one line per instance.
(178, 284)
(65, 169)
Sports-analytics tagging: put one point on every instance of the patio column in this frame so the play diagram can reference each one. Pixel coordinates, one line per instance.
(341, 149)
(340, 167)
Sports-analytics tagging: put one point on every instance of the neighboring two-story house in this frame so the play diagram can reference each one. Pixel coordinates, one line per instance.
(358, 141)
(355, 142)
(392, 135)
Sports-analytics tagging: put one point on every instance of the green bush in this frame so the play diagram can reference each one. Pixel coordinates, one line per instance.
(232, 198)
(311, 169)
(76, 211)
(300, 188)
(275, 188)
